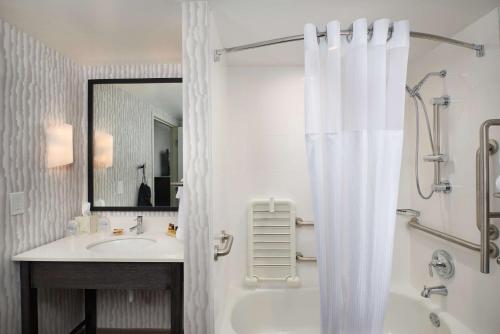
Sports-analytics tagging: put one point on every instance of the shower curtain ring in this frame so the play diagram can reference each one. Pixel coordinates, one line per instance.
(390, 31)
(370, 32)
(318, 35)
(350, 33)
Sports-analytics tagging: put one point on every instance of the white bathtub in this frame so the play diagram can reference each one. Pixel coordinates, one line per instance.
(296, 311)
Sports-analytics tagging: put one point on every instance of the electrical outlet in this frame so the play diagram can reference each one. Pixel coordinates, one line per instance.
(17, 205)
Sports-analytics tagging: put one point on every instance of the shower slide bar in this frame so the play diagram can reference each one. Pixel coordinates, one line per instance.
(478, 48)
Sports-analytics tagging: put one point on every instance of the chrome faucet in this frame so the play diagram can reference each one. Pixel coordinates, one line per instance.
(139, 227)
(434, 290)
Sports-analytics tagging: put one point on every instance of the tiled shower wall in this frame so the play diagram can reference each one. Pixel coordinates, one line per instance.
(40, 87)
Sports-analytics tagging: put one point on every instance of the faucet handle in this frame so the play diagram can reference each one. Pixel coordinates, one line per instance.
(443, 264)
(435, 263)
(139, 227)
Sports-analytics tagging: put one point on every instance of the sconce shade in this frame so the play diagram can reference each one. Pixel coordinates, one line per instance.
(59, 145)
(103, 150)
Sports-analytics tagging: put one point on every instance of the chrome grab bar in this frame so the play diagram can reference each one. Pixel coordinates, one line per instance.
(492, 148)
(301, 258)
(414, 223)
(225, 245)
(483, 188)
(489, 232)
(301, 222)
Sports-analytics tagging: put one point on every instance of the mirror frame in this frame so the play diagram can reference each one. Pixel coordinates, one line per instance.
(90, 143)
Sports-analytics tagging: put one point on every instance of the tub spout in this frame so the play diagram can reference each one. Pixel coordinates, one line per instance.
(434, 290)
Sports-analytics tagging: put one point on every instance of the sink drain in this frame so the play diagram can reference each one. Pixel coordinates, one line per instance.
(434, 319)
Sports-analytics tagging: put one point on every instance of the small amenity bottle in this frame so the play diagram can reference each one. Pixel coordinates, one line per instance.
(71, 228)
(103, 224)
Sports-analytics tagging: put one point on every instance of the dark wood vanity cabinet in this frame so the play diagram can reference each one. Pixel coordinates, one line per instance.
(92, 276)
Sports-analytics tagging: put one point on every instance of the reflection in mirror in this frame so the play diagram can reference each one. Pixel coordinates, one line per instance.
(137, 144)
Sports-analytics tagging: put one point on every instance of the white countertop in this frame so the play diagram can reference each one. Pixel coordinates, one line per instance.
(74, 249)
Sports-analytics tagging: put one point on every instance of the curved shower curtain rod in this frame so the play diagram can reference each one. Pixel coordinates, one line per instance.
(478, 48)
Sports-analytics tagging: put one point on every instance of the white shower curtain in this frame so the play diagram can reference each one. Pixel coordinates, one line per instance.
(354, 101)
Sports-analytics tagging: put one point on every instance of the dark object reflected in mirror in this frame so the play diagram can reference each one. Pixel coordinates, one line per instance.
(144, 196)
(165, 162)
(135, 144)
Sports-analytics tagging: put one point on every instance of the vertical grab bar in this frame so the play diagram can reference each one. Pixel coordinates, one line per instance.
(483, 188)
(493, 148)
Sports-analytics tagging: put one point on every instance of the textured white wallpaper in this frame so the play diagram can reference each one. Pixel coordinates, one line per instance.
(38, 87)
(198, 309)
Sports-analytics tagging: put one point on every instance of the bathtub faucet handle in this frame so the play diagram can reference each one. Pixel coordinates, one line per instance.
(435, 264)
(442, 263)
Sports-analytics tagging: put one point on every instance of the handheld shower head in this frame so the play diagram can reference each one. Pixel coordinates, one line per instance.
(414, 90)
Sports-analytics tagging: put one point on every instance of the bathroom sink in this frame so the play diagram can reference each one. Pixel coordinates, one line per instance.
(129, 245)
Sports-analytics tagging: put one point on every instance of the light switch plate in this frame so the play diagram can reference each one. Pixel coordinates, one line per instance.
(17, 205)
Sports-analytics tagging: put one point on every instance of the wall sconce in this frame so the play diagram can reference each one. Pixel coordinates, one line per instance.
(103, 150)
(59, 145)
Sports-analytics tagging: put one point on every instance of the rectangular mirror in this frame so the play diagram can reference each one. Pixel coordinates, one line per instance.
(135, 144)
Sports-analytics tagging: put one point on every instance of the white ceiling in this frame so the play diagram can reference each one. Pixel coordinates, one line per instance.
(242, 22)
(149, 31)
(102, 31)
(166, 96)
